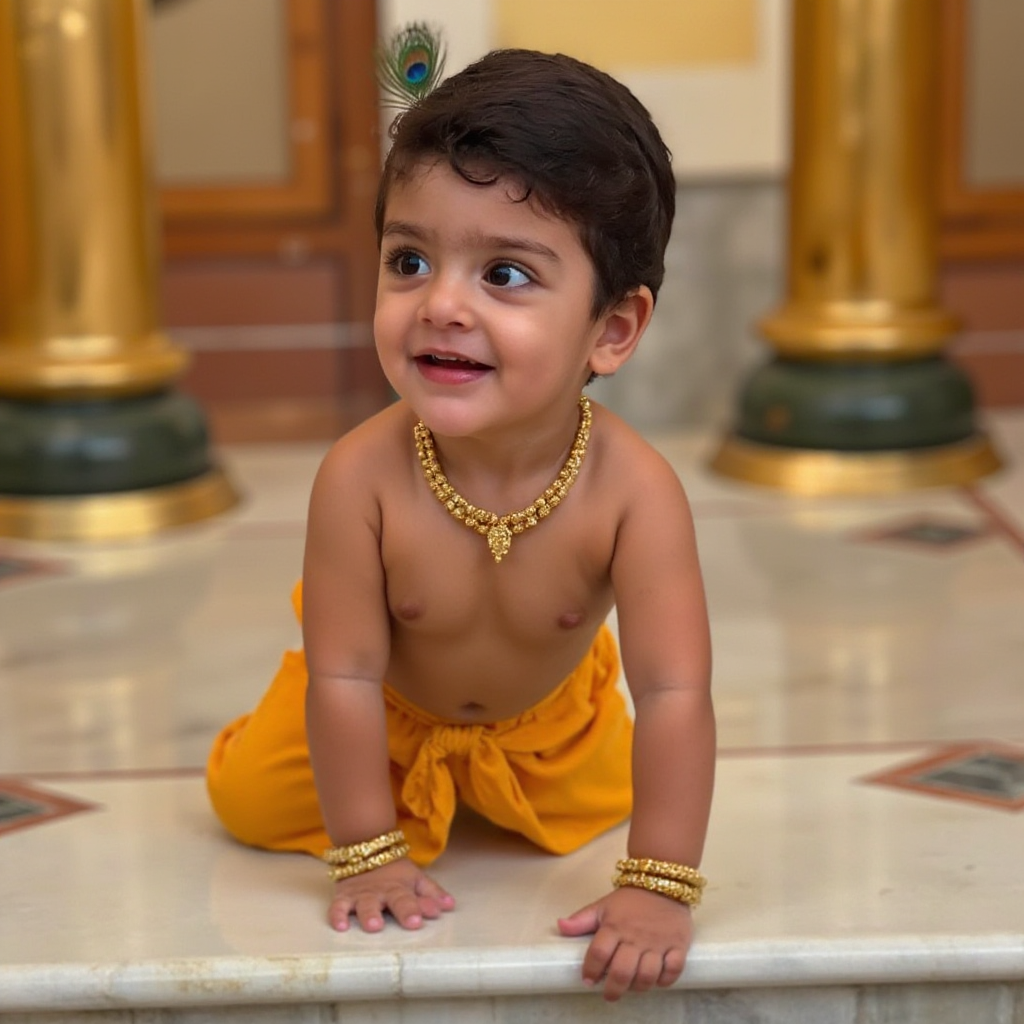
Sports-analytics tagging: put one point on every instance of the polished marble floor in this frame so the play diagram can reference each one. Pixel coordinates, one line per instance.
(869, 815)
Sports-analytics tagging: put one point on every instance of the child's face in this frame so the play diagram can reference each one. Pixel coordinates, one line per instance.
(484, 315)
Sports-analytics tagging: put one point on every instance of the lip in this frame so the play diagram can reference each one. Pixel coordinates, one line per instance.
(448, 355)
(442, 367)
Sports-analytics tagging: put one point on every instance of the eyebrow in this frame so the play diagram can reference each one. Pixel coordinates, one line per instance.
(477, 240)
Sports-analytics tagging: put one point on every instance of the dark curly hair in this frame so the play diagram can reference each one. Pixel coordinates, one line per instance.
(572, 138)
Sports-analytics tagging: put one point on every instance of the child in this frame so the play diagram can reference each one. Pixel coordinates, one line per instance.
(523, 216)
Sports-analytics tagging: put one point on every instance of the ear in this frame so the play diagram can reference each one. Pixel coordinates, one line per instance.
(620, 330)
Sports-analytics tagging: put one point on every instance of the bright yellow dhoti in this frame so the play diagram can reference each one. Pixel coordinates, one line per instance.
(558, 774)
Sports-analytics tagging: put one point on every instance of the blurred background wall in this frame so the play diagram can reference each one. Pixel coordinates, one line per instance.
(268, 138)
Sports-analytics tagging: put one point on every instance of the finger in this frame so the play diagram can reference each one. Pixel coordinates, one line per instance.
(672, 967)
(438, 898)
(405, 909)
(432, 908)
(621, 972)
(598, 956)
(369, 913)
(648, 971)
(583, 922)
(338, 912)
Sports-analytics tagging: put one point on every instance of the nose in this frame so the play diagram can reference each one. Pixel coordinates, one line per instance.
(446, 302)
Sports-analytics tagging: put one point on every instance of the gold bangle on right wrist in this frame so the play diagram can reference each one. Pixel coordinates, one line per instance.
(663, 869)
(676, 881)
(358, 858)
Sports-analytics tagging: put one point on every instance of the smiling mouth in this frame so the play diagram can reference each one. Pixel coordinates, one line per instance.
(452, 362)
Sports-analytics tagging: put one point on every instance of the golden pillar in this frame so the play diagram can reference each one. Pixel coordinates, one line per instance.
(859, 398)
(94, 441)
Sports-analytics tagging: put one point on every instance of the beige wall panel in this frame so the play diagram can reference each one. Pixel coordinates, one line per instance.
(721, 118)
(220, 92)
(654, 33)
(995, 85)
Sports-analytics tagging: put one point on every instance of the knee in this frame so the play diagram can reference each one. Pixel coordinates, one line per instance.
(232, 783)
(262, 801)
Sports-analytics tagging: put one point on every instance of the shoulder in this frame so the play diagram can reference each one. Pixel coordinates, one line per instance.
(361, 465)
(373, 448)
(655, 568)
(629, 463)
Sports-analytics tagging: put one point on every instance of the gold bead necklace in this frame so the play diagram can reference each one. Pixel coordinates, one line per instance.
(499, 530)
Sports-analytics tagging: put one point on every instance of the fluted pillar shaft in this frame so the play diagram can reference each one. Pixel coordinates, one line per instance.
(859, 397)
(862, 225)
(94, 441)
(78, 252)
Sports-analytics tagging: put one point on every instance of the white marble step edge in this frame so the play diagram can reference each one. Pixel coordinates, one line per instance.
(333, 978)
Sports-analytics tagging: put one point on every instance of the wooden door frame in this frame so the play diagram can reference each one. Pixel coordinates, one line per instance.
(308, 190)
(976, 222)
(325, 209)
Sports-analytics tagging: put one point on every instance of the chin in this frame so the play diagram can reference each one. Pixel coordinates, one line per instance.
(450, 417)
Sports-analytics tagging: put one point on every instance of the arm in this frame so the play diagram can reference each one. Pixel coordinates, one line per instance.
(346, 633)
(666, 652)
(642, 938)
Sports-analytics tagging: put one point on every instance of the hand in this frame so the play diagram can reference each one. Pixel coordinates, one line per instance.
(400, 887)
(642, 940)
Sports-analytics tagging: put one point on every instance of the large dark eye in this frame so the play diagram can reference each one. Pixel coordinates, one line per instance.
(506, 275)
(409, 264)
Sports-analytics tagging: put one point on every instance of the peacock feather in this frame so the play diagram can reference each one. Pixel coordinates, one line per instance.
(410, 65)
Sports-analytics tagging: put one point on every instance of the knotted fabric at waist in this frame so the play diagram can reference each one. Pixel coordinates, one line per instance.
(558, 774)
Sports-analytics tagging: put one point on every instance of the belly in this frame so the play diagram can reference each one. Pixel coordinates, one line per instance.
(480, 681)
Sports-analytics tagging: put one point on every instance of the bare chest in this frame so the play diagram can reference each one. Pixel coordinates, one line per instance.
(477, 639)
(443, 575)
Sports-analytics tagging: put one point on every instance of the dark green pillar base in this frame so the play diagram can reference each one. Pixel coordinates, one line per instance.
(100, 447)
(856, 407)
(824, 429)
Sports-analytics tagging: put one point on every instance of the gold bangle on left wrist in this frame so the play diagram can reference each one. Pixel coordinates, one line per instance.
(358, 858)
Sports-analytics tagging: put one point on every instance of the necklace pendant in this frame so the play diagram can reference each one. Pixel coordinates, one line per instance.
(499, 540)
(497, 531)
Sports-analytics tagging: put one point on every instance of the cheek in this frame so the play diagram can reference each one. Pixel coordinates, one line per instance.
(379, 326)
(387, 341)
(388, 316)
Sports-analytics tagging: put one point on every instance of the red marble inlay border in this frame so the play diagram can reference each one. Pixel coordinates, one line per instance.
(899, 533)
(910, 776)
(54, 805)
(1001, 521)
(28, 568)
